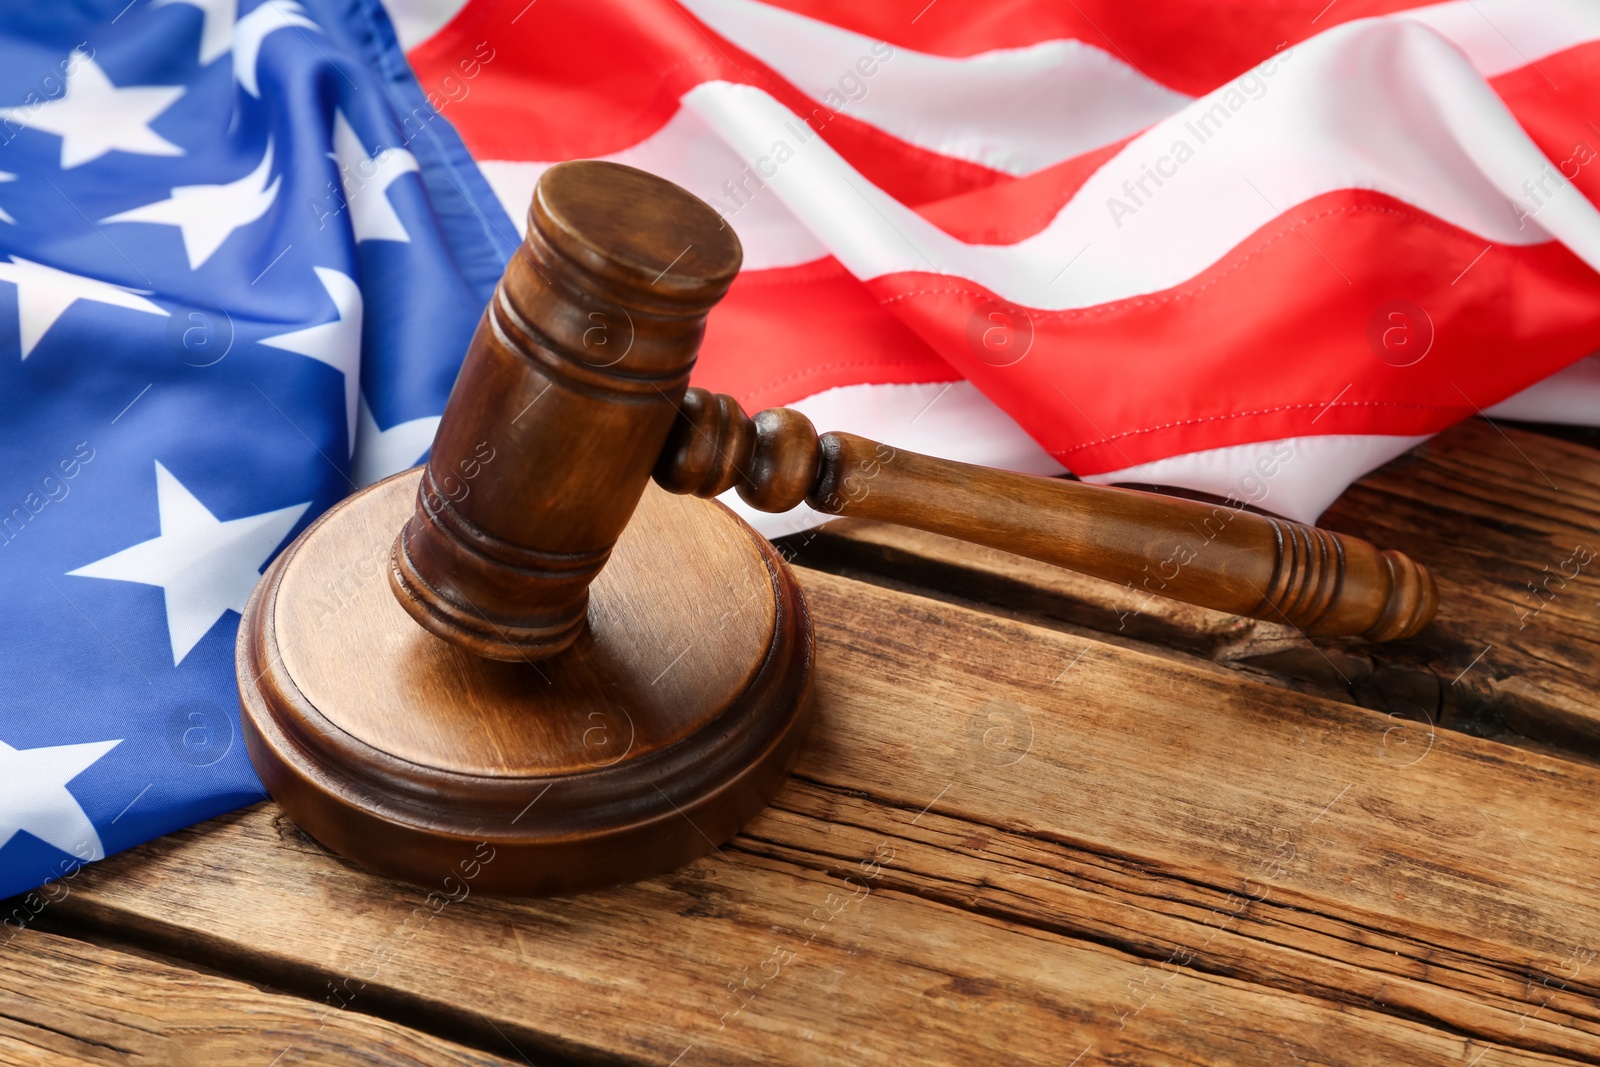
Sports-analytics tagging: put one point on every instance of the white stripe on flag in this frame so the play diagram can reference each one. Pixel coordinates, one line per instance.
(1499, 36)
(1016, 110)
(950, 420)
(1570, 396)
(1339, 111)
(688, 152)
(1296, 478)
(417, 20)
(1421, 126)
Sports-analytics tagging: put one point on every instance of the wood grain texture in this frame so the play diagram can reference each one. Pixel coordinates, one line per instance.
(685, 697)
(1220, 556)
(64, 1001)
(1006, 845)
(1471, 505)
(1501, 510)
(680, 624)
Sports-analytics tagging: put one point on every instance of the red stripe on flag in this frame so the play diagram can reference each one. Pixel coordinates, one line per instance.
(1277, 338)
(1273, 342)
(575, 79)
(782, 335)
(1187, 46)
(1548, 102)
(787, 333)
(1014, 210)
(1017, 208)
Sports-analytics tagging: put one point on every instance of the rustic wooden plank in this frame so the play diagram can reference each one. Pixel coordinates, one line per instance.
(716, 965)
(1488, 509)
(65, 1001)
(1006, 843)
(1498, 510)
(1457, 844)
(1173, 922)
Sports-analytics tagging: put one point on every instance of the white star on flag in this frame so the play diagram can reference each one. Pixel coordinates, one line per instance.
(380, 453)
(205, 567)
(93, 117)
(207, 214)
(336, 343)
(253, 29)
(34, 796)
(5, 216)
(216, 29)
(366, 180)
(44, 294)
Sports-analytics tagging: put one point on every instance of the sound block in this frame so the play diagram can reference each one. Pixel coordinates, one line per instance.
(670, 723)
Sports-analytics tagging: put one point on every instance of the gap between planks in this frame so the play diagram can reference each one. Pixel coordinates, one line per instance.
(1466, 504)
(1195, 780)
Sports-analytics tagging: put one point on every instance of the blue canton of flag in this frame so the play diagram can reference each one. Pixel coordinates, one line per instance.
(240, 261)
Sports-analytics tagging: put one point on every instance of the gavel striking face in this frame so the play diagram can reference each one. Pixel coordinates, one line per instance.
(573, 394)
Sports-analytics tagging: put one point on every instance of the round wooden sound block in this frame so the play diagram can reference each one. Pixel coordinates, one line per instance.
(669, 724)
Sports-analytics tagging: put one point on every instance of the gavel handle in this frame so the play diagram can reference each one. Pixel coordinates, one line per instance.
(1215, 556)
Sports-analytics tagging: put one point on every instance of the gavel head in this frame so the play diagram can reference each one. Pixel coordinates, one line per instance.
(565, 399)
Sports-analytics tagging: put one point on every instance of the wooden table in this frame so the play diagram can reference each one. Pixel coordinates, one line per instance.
(1039, 822)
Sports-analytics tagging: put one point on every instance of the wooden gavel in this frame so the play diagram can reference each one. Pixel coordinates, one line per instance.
(683, 689)
(579, 374)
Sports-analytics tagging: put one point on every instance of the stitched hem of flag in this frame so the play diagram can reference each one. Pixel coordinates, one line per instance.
(480, 235)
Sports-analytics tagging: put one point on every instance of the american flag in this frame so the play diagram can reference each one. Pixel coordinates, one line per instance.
(1154, 243)
(240, 258)
(1252, 249)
